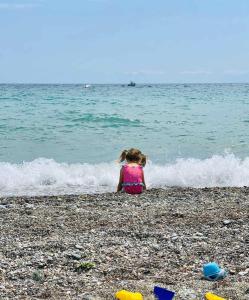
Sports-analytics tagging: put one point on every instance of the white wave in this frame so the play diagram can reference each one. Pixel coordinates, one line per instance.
(47, 177)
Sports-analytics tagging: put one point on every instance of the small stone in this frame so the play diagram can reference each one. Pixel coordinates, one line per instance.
(78, 247)
(156, 247)
(174, 237)
(187, 293)
(50, 259)
(227, 222)
(75, 255)
(30, 206)
(243, 273)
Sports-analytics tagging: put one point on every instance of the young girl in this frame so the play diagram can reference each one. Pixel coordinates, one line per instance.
(131, 178)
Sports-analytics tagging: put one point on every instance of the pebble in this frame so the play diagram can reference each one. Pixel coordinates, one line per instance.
(75, 255)
(187, 294)
(30, 206)
(243, 273)
(227, 222)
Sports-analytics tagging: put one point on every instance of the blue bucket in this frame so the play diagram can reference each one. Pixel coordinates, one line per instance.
(212, 271)
(163, 294)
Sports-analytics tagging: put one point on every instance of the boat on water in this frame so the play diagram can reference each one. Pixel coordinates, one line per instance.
(132, 83)
(87, 86)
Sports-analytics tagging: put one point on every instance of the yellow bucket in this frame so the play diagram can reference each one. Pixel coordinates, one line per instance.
(210, 296)
(125, 295)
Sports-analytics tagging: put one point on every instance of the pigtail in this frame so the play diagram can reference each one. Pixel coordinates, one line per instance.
(123, 156)
(143, 159)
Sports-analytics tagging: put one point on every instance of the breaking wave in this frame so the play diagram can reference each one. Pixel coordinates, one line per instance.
(47, 177)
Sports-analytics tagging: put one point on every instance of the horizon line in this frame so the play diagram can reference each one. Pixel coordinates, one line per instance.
(118, 83)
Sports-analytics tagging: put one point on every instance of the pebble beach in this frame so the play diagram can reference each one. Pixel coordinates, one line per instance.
(90, 246)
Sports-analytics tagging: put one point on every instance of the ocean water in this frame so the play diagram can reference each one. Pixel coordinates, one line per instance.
(63, 139)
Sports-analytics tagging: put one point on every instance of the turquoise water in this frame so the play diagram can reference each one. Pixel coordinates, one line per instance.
(45, 127)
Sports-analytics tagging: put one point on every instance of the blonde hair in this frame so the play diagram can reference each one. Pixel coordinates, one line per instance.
(132, 155)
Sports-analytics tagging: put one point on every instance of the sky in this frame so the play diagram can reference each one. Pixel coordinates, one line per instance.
(115, 41)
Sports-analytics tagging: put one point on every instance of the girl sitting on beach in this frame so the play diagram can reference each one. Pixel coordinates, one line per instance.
(131, 179)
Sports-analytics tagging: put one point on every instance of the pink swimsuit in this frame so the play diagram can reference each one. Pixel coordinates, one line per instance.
(132, 179)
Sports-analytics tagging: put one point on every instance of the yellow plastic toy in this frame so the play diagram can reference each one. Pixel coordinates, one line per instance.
(210, 296)
(125, 295)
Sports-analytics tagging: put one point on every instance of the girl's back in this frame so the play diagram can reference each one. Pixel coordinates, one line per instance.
(132, 179)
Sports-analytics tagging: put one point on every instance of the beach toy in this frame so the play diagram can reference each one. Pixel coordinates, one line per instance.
(212, 271)
(163, 294)
(126, 295)
(210, 296)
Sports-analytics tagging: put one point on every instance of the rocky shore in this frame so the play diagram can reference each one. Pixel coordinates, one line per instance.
(90, 246)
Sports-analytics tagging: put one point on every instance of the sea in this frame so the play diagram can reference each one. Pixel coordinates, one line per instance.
(66, 139)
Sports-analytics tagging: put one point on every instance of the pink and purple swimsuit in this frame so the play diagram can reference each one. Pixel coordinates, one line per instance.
(132, 179)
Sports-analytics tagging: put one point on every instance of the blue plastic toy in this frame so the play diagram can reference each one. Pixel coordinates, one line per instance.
(163, 294)
(212, 271)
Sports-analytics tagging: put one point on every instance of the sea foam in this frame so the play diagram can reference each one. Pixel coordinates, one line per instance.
(47, 177)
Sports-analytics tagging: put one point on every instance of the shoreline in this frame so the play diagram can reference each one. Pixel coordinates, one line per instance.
(161, 237)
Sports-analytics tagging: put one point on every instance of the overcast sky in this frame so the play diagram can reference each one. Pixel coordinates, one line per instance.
(114, 41)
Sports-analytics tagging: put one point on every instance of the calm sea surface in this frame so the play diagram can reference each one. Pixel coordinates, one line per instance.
(65, 138)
